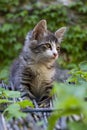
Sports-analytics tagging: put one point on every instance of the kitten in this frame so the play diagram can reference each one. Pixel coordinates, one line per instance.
(33, 72)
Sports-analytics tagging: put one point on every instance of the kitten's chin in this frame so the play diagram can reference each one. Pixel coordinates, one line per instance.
(52, 60)
(47, 61)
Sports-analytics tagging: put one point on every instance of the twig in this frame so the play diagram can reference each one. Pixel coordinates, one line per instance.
(40, 110)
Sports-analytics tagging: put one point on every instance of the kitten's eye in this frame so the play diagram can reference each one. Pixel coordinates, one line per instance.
(48, 45)
(58, 48)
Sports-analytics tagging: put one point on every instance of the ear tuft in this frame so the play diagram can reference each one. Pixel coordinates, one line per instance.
(40, 29)
(60, 33)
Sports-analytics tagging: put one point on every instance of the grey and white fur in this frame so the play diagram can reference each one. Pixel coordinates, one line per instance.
(33, 72)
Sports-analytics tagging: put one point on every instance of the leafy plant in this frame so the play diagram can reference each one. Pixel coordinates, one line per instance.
(70, 99)
(13, 110)
(10, 106)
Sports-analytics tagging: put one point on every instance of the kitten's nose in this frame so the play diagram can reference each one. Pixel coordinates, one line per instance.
(55, 54)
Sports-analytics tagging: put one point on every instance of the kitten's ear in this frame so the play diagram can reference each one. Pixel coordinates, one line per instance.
(60, 33)
(40, 29)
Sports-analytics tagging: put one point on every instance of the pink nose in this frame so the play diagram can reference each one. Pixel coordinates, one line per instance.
(55, 54)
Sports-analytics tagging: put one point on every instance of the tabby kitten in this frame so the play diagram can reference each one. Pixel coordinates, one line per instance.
(33, 72)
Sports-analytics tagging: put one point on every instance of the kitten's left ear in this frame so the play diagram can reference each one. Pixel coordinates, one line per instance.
(60, 33)
(40, 29)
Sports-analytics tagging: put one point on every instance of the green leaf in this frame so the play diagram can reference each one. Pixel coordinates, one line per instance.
(25, 103)
(1, 89)
(5, 101)
(12, 94)
(77, 126)
(52, 121)
(13, 110)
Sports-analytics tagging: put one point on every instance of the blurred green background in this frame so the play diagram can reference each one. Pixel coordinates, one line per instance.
(17, 17)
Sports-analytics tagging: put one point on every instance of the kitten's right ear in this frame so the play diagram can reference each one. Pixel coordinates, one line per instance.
(40, 30)
(60, 33)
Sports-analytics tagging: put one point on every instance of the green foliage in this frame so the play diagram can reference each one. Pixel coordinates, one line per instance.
(77, 126)
(9, 94)
(13, 110)
(17, 18)
(25, 103)
(10, 107)
(70, 99)
(79, 75)
(4, 72)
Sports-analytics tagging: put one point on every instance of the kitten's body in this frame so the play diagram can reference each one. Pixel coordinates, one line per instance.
(34, 71)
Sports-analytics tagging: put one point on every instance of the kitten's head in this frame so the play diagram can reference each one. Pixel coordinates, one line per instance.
(42, 45)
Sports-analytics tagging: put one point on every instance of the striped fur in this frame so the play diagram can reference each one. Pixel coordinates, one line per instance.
(33, 73)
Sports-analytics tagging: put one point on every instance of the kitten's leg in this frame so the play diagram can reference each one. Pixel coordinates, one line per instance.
(25, 93)
(46, 96)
